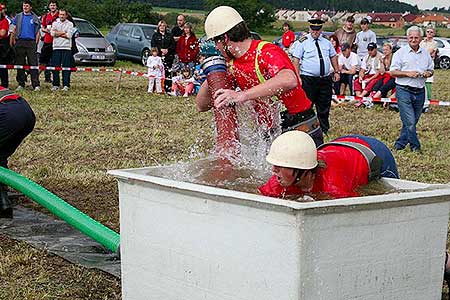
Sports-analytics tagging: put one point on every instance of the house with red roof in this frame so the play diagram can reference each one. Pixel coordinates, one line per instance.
(393, 20)
(434, 20)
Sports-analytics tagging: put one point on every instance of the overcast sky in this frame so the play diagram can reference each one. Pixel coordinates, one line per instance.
(424, 4)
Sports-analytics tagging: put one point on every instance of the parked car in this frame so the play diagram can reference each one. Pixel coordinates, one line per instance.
(92, 45)
(208, 48)
(132, 40)
(443, 56)
(396, 41)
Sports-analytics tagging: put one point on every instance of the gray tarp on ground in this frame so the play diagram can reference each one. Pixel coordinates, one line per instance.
(56, 236)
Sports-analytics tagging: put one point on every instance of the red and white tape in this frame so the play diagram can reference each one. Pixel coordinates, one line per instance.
(365, 100)
(76, 69)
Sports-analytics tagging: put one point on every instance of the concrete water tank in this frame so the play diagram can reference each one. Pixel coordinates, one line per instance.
(182, 240)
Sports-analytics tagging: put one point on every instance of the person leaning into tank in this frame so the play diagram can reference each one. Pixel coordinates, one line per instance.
(262, 71)
(335, 169)
(17, 120)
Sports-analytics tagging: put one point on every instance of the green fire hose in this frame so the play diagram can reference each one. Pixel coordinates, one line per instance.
(100, 233)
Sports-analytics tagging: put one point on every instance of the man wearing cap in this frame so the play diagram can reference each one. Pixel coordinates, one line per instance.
(411, 65)
(262, 71)
(334, 170)
(312, 59)
(16, 122)
(364, 38)
(348, 64)
(6, 53)
(346, 34)
(371, 69)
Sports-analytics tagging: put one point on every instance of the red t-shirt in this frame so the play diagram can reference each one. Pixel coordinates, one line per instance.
(287, 38)
(4, 25)
(346, 170)
(48, 19)
(271, 60)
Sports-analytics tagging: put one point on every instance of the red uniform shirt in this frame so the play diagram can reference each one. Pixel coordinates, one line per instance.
(271, 60)
(48, 19)
(187, 49)
(4, 25)
(287, 38)
(346, 169)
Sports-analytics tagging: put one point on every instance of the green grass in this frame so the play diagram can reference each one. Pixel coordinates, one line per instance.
(94, 128)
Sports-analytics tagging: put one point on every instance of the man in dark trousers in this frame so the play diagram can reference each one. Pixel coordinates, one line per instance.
(25, 37)
(16, 122)
(313, 58)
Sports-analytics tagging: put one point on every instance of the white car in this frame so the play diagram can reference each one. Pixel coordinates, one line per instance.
(443, 58)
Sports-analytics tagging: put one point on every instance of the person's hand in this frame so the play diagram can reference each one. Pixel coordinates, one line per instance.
(164, 51)
(337, 77)
(413, 74)
(427, 74)
(224, 97)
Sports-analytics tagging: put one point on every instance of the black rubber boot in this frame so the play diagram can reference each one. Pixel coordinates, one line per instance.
(6, 209)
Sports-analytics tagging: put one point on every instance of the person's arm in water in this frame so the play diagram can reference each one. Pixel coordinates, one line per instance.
(284, 81)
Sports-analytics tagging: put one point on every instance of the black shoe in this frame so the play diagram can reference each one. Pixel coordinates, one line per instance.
(398, 147)
(6, 213)
(6, 210)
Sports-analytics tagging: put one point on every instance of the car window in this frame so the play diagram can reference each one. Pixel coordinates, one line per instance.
(87, 29)
(115, 29)
(137, 32)
(125, 30)
(148, 32)
(440, 44)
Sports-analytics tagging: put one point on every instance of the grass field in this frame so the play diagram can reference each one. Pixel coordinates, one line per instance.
(94, 128)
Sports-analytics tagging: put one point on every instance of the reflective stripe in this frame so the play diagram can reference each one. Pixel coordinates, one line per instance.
(6, 94)
(374, 162)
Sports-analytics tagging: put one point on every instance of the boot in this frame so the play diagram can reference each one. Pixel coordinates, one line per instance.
(6, 209)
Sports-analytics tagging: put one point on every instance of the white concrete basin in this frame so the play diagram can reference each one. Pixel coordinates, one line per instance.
(182, 240)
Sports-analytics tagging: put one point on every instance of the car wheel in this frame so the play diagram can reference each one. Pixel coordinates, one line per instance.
(444, 62)
(144, 56)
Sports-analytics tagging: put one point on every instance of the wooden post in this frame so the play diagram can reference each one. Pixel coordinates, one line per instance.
(119, 79)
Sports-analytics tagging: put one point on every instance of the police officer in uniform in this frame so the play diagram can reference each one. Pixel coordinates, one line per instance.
(17, 120)
(313, 58)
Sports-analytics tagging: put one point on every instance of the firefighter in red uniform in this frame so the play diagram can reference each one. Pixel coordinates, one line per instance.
(336, 168)
(16, 122)
(262, 71)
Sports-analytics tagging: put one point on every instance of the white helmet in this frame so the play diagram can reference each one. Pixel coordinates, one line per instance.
(220, 20)
(293, 149)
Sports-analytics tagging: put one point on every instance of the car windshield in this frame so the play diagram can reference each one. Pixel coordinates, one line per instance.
(87, 29)
(148, 32)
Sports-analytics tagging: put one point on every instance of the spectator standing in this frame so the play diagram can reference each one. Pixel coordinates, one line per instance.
(411, 65)
(62, 31)
(386, 83)
(431, 45)
(6, 53)
(347, 34)
(25, 37)
(187, 47)
(313, 59)
(163, 40)
(16, 122)
(178, 30)
(47, 47)
(155, 71)
(288, 36)
(364, 38)
(348, 64)
(371, 69)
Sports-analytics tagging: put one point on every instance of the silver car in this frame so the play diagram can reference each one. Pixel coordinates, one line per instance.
(92, 46)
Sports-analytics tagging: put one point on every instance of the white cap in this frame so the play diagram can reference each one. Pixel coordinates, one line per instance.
(220, 20)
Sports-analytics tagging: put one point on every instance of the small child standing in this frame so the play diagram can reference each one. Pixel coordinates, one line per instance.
(183, 84)
(155, 72)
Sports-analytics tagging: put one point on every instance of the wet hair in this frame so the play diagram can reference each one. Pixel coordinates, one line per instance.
(238, 33)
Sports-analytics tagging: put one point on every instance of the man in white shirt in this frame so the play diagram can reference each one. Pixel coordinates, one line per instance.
(411, 65)
(62, 31)
(364, 38)
(348, 63)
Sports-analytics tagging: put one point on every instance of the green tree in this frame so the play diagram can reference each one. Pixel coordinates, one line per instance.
(257, 14)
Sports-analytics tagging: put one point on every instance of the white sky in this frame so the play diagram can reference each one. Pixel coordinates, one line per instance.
(424, 4)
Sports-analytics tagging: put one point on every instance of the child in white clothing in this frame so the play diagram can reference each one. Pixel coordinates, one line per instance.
(155, 72)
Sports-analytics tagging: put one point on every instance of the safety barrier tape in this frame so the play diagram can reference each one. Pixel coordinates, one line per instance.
(365, 100)
(79, 69)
